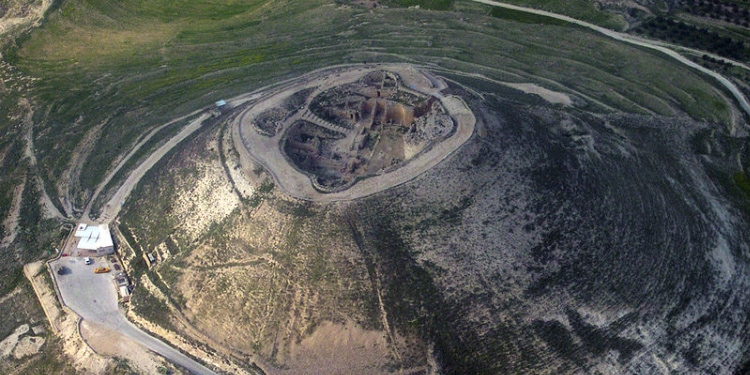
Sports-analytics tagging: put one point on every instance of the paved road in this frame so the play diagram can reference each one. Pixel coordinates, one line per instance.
(635, 41)
(94, 298)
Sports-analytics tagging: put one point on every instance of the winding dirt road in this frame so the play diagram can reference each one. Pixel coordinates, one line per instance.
(94, 299)
(635, 41)
(50, 209)
(103, 184)
(112, 208)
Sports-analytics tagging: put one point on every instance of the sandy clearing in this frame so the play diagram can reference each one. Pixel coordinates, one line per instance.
(9, 343)
(207, 191)
(266, 150)
(553, 97)
(110, 343)
(29, 345)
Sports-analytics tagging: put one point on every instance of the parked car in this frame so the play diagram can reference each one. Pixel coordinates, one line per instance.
(87, 260)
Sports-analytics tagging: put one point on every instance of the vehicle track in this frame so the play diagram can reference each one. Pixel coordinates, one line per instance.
(112, 208)
(111, 175)
(638, 42)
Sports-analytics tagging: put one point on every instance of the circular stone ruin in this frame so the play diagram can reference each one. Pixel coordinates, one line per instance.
(347, 133)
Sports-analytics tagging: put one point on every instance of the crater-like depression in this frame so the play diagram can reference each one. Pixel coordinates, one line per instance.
(347, 133)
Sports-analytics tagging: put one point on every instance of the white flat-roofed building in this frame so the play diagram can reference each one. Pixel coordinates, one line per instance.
(95, 238)
(124, 294)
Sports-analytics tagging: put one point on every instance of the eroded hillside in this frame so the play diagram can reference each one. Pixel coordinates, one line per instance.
(554, 240)
(253, 270)
(602, 233)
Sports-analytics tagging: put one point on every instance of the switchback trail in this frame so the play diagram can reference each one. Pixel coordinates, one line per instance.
(112, 208)
(124, 160)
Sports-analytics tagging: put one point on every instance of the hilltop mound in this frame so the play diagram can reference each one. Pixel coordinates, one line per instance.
(353, 131)
(553, 240)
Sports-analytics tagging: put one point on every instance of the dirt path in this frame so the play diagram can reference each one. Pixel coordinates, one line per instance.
(638, 42)
(113, 172)
(47, 298)
(677, 47)
(50, 210)
(253, 146)
(71, 177)
(11, 222)
(112, 208)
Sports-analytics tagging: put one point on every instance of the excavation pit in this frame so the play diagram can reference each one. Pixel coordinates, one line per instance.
(348, 133)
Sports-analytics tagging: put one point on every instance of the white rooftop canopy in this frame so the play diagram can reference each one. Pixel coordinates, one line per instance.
(93, 237)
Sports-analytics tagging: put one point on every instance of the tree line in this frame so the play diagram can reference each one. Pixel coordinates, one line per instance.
(678, 32)
(732, 12)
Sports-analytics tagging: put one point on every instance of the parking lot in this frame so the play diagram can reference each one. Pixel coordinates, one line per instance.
(91, 295)
(94, 297)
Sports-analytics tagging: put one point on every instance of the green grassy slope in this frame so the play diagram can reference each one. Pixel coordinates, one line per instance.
(584, 10)
(130, 66)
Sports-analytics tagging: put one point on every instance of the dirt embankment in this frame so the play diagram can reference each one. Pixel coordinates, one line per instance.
(270, 290)
(111, 209)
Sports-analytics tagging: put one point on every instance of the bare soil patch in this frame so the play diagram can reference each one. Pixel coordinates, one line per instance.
(110, 343)
(553, 97)
(339, 349)
(15, 15)
(10, 342)
(28, 345)
(10, 224)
